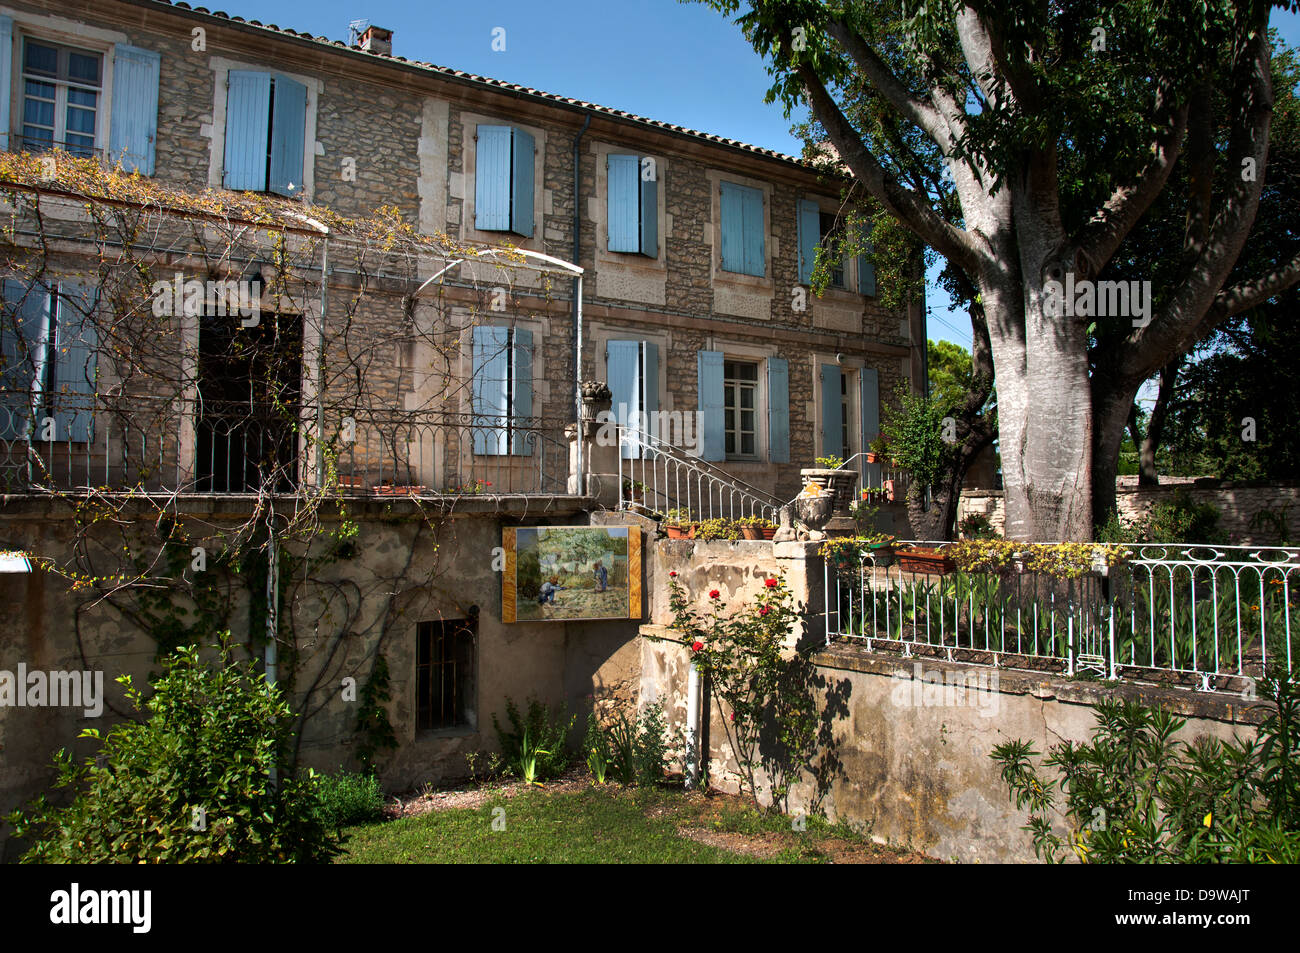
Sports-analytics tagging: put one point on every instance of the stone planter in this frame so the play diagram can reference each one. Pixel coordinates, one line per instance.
(841, 484)
(814, 511)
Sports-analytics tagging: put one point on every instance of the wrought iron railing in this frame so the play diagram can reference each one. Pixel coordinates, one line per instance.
(657, 478)
(175, 445)
(1213, 617)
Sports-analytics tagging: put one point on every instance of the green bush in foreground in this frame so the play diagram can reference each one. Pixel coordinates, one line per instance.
(1135, 795)
(349, 798)
(535, 748)
(192, 783)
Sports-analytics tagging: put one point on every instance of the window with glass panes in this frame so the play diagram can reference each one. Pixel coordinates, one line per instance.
(62, 88)
(832, 235)
(740, 407)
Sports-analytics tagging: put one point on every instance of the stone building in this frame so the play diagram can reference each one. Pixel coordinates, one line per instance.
(693, 249)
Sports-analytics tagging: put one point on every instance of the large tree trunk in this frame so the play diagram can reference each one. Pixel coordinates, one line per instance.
(1147, 475)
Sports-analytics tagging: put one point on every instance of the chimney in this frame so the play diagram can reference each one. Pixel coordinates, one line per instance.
(377, 40)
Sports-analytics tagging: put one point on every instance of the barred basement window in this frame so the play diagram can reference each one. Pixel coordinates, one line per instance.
(444, 674)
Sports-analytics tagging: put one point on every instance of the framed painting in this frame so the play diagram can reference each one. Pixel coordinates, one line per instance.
(563, 573)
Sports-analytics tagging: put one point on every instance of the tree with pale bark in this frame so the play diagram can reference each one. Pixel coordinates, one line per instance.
(1026, 144)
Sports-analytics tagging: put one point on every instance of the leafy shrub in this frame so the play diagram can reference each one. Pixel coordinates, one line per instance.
(1178, 520)
(192, 783)
(976, 526)
(349, 798)
(632, 750)
(1134, 795)
(534, 748)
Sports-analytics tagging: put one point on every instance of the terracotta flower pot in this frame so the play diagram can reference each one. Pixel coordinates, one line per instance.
(931, 561)
(873, 457)
(679, 532)
(769, 532)
(751, 532)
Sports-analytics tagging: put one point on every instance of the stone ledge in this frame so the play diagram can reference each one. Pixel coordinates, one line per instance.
(1225, 708)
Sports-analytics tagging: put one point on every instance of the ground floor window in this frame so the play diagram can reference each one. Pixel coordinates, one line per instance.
(740, 407)
(444, 674)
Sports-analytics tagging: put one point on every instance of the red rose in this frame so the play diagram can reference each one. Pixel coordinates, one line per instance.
(713, 594)
(764, 610)
(733, 716)
(673, 573)
(696, 645)
(770, 583)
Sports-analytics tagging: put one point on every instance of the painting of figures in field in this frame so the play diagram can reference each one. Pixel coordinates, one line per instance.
(573, 572)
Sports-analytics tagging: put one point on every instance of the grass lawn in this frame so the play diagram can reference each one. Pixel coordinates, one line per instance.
(609, 824)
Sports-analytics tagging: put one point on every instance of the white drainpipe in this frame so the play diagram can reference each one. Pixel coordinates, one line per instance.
(692, 726)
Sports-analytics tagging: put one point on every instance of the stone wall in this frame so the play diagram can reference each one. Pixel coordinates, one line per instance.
(405, 570)
(910, 762)
(1239, 504)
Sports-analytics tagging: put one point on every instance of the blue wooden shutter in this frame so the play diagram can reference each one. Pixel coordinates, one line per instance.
(869, 392)
(832, 417)
(624, 201)
(649, 376)
(810, 233)
(288, 137)
(6, 73)
(522, 438)
(650, 217)
(778, 410)
(248, 114)
(623, 370)
(492, 179)
(134, 126)
(490, 394)
(713, 445)
(755, 240)
(75, 363)
(731, 211)
(866, 272)
(521, 183)
(23, 341)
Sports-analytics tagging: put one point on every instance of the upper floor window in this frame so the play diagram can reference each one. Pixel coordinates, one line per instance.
(743, 245)
(503, 186)
(266, 122)
(819, 229)
(633, 204)
(62, 96)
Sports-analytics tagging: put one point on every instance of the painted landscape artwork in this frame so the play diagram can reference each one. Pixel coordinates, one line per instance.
(571, 572)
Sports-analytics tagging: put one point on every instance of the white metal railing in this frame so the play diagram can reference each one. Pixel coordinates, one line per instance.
(656, 477)
(1210, 616)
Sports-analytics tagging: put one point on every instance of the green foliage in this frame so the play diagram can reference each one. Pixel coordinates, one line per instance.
(191, 784)
(976, 526)
(830, 463)
(718, 528)
(349, 798)
(914, 431)
(534, 747)
(631, 750)
(374, 730)
(1133, 794)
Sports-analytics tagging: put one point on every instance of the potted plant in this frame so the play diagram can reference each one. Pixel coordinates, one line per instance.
(634, 491)
(756, 527)
(829, 474)
(876, 450)
(678, 523)
(920, 560)
(863, 512)
(717, 528)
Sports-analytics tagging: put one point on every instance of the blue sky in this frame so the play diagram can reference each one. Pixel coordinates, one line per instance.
(680, 63)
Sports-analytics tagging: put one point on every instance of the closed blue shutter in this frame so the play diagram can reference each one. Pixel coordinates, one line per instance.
(713, 445)
(755, 251)
(248, 114)
(134, 126)
(492, 179)
(624, 202)
(866, 272)
(6, 73)
(650, 218)
(490, 394)
(76, 342)
(832, 417)
(778, 409)
(623, 370)
(810, 233)
(731, 211)
(23, 342)
(649, 381)
(288, 137)
(521, 184)
(522, 439)
(869, 388)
